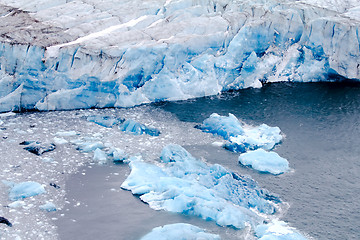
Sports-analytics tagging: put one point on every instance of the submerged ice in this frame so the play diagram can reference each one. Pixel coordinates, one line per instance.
(184, 184)
(127, 53)
(179, 230)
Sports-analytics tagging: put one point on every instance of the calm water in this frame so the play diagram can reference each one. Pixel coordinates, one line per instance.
(322, 127)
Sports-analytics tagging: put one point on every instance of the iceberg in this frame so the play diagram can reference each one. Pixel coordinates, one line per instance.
(240, 138)
(25, 189)
(88, 145)
(264, 161)
(184, 184)
(179, 230)
(277, 230)
(137, 128)
(121, 54)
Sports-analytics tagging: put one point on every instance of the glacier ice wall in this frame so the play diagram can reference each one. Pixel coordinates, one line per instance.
(89, 53)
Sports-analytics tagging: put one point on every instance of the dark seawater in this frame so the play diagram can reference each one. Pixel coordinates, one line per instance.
(322, 126)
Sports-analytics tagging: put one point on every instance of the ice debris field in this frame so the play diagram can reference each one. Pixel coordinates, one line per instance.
(87, 53)
(163, 173)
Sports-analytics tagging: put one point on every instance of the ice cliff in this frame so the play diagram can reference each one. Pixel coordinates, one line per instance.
(66, 54)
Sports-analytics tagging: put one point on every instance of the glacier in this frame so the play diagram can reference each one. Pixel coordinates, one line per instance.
(184, 184)
(71, 54)
(174, 231)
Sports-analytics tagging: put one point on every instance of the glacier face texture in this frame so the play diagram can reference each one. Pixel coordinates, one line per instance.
(88, 53)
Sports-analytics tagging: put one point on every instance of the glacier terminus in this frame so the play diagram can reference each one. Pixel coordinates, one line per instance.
(65, 54)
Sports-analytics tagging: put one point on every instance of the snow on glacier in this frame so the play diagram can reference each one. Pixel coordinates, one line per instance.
(264, 161)
(179, 230)
(241, 138)
(183, 184)
(127, 53)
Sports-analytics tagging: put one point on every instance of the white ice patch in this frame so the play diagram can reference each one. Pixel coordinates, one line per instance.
(179, 230)
(265, 161)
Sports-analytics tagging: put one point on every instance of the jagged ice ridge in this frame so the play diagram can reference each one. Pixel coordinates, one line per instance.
(87, 53)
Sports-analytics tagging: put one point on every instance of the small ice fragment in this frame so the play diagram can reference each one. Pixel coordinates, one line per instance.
(48, 206)
(105, 121)
(182, 231)
(99, 156)
(137, 128)
(17, 204)
(66, 133)
(59, 141)
(277, 230)
(118, 154)
(25, 189)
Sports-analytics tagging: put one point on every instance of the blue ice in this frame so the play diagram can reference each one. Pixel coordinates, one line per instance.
(48, 206)
(99, 156)
(25, 189)
(88, 146)
(105, 121)
(264, 161)
(181, 231)
(118, 154)
(184, 184)
(240, 138)
(137, 128)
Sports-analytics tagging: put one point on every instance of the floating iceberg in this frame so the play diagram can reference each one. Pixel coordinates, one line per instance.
(264, 161)
(48, 206)
(186, 185)
(179, 231)
(25, 189)
(38, 148)
(241, 139)
(277, 230)
(104, 56)
(137, 128)
(105, 121)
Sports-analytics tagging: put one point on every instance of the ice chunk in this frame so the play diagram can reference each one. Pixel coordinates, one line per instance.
(186, 185)
(48, 206)
(277, 230)
(118, 154)
(265, 161)
(38, 148)
(99, 156)
(66, 133)
(17, 204)
(25, 189)
(179, 230)
(221, 125)
(137, 128)
(88, 146)
(263, 136)
(105, 121)
(240, 138)
(59, 141)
